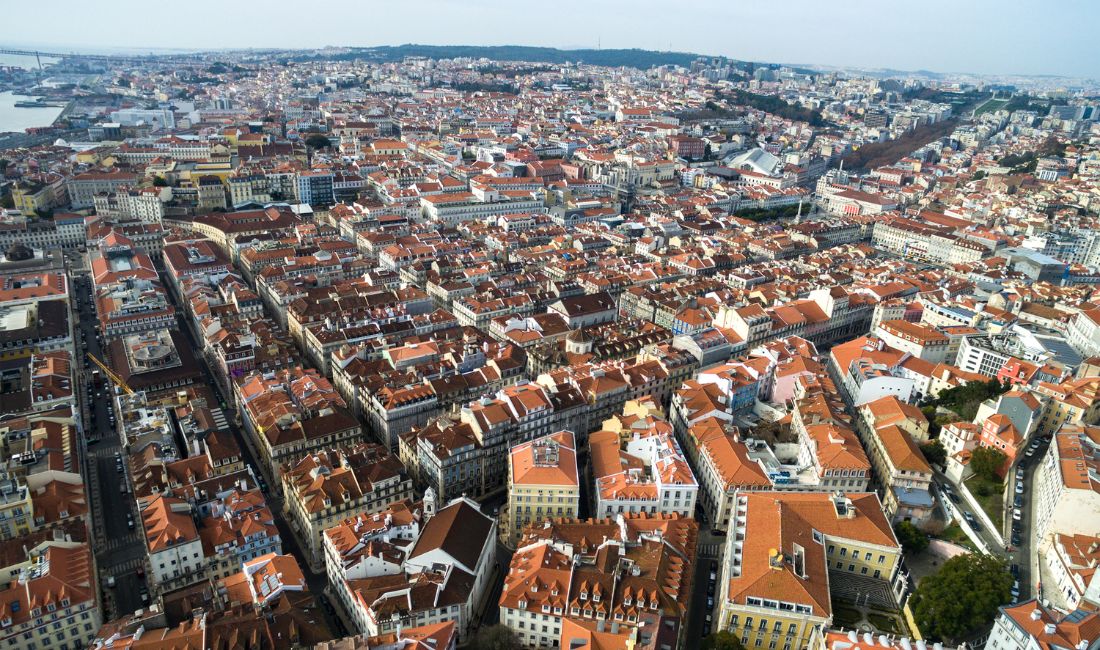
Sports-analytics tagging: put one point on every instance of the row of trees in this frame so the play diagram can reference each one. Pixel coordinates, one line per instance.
(889, 152)
(774, 105)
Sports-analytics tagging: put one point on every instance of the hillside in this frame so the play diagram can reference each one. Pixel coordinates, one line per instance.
(641, 59)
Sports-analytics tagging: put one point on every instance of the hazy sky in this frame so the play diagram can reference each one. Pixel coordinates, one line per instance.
(983, 36)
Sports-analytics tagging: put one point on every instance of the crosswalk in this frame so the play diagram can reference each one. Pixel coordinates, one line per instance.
(127, 566)
(219, 419)
(120, 542)
(710, 550)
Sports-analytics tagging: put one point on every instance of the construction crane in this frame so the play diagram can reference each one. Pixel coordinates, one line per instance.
(111, 375)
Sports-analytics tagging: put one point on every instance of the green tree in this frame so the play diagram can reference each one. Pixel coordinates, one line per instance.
(962, 597)
(496, 637)
(318, 141)
(910, 537)
(934, 452)
(158, 181)
(986, 462)
(722, 640)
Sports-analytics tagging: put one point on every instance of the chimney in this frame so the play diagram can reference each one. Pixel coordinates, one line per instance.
(1036, 614)
(1049, 628)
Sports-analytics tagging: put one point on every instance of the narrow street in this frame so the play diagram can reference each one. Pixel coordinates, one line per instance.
(316, 580)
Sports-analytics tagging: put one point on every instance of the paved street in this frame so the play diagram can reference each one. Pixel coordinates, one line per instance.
(317, 580)
(1021, 555)
(119, 550)
(1024, 555)
(708, 551)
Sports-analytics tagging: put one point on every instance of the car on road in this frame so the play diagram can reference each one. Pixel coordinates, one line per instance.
(1017, 514)
(973, 522)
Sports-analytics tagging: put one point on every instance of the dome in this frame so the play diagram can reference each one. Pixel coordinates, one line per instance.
(578, 336)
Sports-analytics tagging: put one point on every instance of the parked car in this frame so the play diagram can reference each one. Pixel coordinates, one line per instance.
(1017, 515)
(1030, 452)
(1015, 569)
(1019, 487)
(1019, 501)
(1016, 540)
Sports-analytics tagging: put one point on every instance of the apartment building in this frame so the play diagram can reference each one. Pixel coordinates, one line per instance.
(517, 414)
(913, 338)
(1033, 626)
(543, 483)
(1072, 560)
(331, 484)
(1068, 486)
(869, 369)
(291, 412)
(83, 188)
(145, 204)
(1071, 402)
(924, 241)
(1083, 332)
(445, 456)
(52, 599)
(370, 545)
(640, 468)
(792, 553)
(633, 572)
(902, 471)
(444, 578)
(173, 547)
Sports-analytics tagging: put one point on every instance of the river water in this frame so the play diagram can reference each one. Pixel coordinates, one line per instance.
(18, 119)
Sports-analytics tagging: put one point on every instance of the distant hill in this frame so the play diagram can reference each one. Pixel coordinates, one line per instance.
(635, 58)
